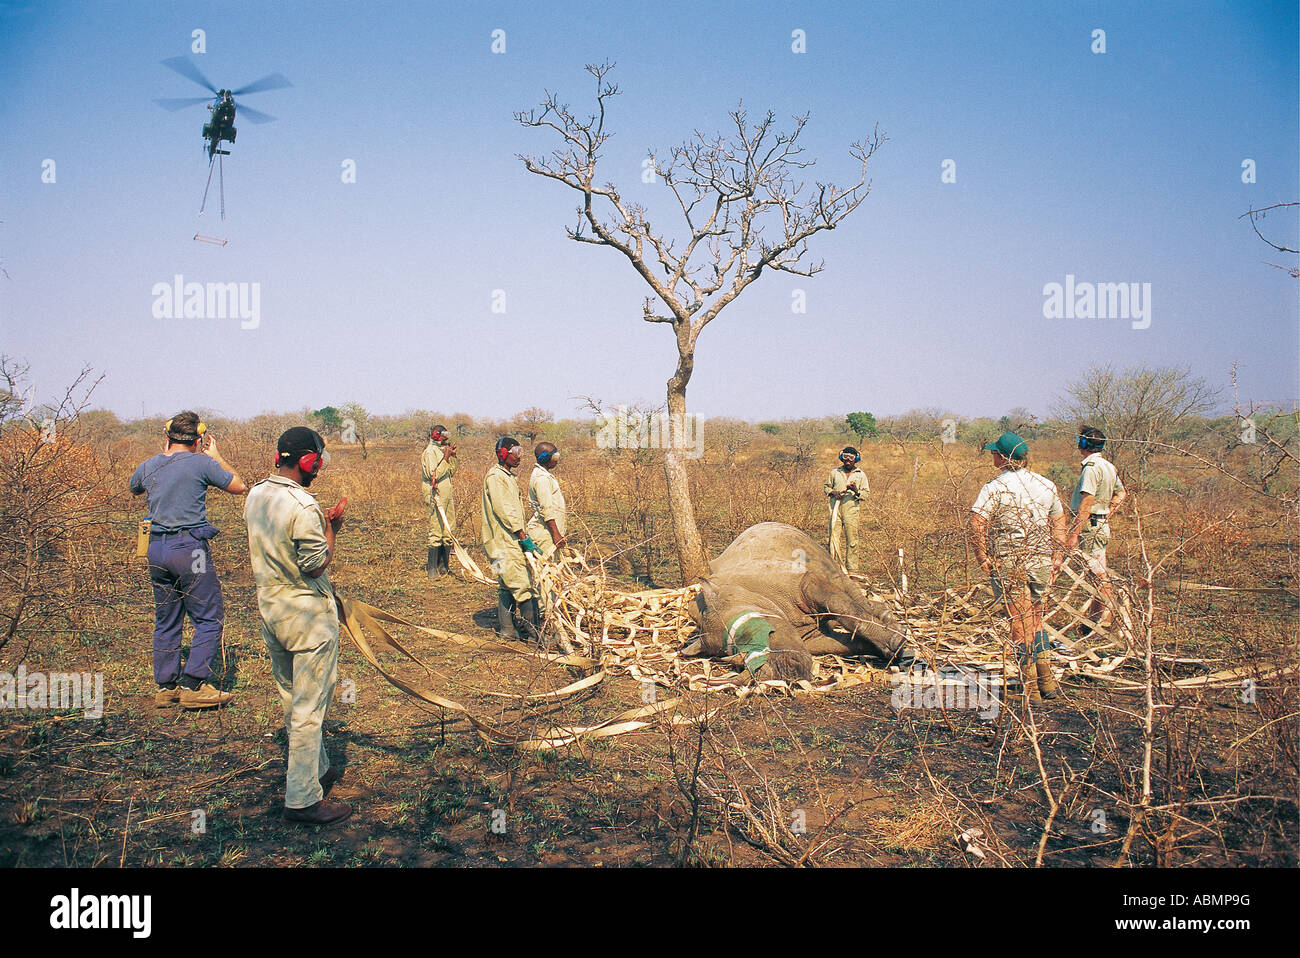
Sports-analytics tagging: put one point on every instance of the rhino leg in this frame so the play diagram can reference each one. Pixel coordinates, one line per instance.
(789, 664)
(819, 644)
(871, 626)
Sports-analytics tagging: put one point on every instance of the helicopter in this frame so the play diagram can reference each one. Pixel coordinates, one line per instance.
(221, 126)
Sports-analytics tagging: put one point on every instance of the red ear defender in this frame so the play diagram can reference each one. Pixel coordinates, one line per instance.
(308, 462)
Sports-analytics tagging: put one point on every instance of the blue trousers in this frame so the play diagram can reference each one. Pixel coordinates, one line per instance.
(184, 581)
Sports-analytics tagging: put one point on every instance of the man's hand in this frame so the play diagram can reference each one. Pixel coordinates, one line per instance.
(335, 515)
(236, 485)
(528, 545)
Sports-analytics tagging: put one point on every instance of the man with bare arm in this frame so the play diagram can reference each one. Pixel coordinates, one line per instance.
(1017, 529)
(1098, 493)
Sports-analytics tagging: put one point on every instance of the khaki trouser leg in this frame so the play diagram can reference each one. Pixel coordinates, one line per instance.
(541, 534)
(512, 571)
(440, 535)
(306, 681)
(849, 519)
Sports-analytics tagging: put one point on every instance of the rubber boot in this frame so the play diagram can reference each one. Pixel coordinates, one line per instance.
(444, 558)
(431, 564)
(1048, 687)
(531, 618)
(505, 614)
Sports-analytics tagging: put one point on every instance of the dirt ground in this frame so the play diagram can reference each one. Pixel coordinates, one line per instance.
(841, 779)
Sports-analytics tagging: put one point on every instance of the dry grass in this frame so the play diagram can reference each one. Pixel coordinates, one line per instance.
(895, 787)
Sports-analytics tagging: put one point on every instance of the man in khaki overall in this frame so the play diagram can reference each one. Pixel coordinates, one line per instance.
(1098, 493)
(437, 466)
(290, 546)
(546, 527)
(505, 542)
(846, 486)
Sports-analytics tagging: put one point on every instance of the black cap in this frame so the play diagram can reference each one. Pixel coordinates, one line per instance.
(299, 439)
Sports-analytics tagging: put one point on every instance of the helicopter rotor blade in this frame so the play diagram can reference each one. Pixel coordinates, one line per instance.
(178, 103)
(187, 69)
(272, 81)
(257, 116)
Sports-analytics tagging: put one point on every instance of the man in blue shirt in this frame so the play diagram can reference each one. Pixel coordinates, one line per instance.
(175, 483)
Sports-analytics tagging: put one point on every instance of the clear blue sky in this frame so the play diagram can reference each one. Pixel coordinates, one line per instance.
(1115, 167)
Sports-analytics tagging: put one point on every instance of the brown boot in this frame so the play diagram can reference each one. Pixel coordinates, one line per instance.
(1029, 679)
(204, 697)
(1041, 655)
(1047, 684)
(322, 813)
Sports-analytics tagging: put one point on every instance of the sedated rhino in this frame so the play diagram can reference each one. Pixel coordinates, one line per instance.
(775, 596)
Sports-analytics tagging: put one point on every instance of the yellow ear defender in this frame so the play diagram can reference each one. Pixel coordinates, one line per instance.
(203, 427)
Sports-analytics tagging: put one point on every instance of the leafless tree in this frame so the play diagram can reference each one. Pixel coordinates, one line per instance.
(744, 213)
(356, 425)
(733, 436)
(1138, 409)
(462, 423)
(1259, 214)
(533, 421)
(56, 506)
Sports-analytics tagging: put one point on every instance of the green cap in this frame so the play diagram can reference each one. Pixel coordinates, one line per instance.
(1009, 445)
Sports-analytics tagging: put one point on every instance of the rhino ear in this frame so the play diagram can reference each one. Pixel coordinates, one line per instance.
(693, 648)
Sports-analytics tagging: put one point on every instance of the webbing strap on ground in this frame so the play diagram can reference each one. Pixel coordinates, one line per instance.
(468, 564)
(363, 624)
